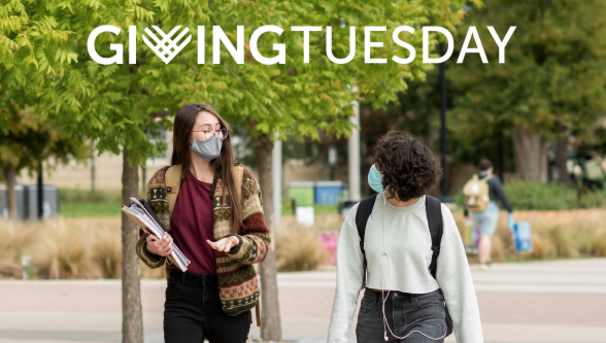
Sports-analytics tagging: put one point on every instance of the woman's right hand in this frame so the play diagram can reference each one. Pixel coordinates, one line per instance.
(162, 247)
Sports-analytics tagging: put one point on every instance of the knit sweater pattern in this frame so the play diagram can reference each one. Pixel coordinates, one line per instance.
(239, 286)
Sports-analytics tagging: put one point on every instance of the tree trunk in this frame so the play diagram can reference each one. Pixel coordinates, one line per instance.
(562, 158)
(530, 155)
(132, 318)
(270, 314)
(11, 197)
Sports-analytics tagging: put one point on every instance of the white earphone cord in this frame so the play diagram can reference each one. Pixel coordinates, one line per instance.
(384, 297)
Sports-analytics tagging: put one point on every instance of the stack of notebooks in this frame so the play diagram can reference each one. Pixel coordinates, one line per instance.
(140, 212)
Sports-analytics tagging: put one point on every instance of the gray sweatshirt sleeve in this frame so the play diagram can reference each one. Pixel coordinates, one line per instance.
(349, 280)
(455, 280)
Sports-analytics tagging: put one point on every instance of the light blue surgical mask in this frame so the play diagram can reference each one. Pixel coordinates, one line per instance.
(375, 179)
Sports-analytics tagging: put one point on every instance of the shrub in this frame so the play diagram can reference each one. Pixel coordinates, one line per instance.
(298, 248)
(555, 234)
(16, 242)
(64, 253)
(532, 195)
(107, 252)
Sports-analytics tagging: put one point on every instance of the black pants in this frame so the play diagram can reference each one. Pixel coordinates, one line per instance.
(192, 312)
(405, 313)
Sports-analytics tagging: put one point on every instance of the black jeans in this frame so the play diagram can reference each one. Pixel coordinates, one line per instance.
(405, 313)
(192, 312)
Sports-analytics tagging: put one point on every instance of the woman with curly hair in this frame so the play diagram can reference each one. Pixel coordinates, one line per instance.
(417, 286)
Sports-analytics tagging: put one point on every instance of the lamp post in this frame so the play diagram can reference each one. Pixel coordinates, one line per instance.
(332, 161)
(40, 192)
(445, 197)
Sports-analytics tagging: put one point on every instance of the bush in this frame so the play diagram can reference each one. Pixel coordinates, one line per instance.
(107, 252)
(555, 234)
(14, 243)
(298, 249)
(66, 249)
(64, 253)
(532, 195)
(536, 196)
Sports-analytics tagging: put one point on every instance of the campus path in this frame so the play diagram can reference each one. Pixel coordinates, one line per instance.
(538, 302)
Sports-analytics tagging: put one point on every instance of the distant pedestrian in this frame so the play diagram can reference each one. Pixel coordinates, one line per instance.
(481, 195)
(404, 249)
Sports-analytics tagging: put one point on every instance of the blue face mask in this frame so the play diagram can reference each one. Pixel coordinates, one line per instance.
(375, 179)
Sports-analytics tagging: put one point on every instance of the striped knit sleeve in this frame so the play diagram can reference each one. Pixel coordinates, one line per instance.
(254, 239)
(151, 260)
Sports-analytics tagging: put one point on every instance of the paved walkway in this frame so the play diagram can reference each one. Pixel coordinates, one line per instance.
(538, 302)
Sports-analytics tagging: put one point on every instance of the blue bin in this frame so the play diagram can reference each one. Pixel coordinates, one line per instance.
(327, 192)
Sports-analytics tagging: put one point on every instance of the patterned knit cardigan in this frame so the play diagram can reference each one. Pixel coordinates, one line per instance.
(239, 286)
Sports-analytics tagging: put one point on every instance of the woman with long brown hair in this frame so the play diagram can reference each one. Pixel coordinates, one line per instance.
(211, 207)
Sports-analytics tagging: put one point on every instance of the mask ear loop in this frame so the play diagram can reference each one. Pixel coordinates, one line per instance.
(384, 297)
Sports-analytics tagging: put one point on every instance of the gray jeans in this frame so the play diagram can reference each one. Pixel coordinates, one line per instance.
(405, 313)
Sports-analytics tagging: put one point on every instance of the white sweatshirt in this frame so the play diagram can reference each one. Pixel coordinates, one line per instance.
(403, 233)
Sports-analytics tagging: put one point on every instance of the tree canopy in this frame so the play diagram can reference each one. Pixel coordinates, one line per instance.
(552, 83)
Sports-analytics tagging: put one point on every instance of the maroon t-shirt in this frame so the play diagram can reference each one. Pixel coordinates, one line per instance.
(192, 224)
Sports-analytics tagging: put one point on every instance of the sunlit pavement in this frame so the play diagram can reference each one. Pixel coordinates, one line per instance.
(554, 301)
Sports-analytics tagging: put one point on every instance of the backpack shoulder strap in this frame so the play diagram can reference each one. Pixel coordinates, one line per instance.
(434, 218)
(238, 176)
(172, 180)
(486, 178)
(362, 215)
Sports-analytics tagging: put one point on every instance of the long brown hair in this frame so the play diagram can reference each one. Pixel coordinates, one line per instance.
(182, 129)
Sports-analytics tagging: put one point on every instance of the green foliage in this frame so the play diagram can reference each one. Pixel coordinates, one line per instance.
(113, 104)
(553, 77)
(31, 139)
(300, 99)
(533, 195)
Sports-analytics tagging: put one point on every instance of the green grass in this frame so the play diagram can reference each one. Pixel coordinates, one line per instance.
(323, 209)
(76, 203)
(90, 210)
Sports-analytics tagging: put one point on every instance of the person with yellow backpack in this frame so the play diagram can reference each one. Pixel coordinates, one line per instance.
(481, 195)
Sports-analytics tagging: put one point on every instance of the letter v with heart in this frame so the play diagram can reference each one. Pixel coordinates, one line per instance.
(162, 44)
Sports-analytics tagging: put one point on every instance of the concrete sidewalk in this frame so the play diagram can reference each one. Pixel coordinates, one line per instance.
(555, 301)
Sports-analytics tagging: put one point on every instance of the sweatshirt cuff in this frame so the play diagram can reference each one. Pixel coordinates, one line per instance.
(152, 260)
(234, 250)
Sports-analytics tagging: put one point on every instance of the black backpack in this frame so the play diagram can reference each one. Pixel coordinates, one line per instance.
(434, 219)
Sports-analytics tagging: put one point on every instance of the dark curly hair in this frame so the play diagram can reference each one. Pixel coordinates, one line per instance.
(409, 168)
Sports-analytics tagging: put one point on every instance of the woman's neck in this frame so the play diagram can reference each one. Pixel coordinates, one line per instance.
(397, 202)
(202, 170)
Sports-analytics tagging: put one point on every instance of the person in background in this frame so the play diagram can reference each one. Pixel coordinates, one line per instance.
(488, 219)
